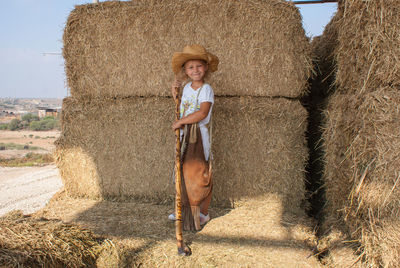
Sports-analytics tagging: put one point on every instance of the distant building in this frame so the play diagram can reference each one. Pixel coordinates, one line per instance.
(7, 116)
(45, 111)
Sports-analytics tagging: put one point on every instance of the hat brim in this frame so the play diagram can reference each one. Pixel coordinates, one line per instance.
(179, 59)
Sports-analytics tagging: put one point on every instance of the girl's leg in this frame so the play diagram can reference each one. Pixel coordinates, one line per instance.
(205, 204)
(206, 142)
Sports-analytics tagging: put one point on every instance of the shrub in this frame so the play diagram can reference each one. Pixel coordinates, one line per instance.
(34, 125)
(30, 117)
(15, 124)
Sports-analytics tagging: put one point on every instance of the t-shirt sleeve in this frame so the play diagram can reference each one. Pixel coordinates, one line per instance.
(206, 94)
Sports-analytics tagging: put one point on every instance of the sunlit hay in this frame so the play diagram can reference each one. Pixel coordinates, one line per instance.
(338, 249)
(117, 148)
(382, 240)
(121, 49)
(368, 49)
(26, 241)
(126, 148)
(70, 162)
(362, 141)
(143, 236)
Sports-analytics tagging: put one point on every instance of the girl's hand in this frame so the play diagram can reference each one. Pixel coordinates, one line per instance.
(177, 125)
(174, 88)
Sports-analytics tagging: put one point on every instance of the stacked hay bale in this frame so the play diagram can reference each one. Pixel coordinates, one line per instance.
(361, 135)
(116, 128)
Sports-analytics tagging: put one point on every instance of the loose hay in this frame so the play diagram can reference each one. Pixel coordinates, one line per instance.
(144, 237)
(124, 49)
(26, 241)
(118, 149)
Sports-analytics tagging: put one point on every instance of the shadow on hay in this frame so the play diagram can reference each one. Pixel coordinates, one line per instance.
(321, 88)
(141, 228)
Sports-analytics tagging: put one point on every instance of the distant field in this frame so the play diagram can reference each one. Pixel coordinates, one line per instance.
(39, 142)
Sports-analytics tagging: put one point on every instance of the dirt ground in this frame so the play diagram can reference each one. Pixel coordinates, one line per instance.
(27, 188)
(43, 139)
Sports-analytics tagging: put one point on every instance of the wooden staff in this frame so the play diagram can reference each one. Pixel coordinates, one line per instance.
(183, 250)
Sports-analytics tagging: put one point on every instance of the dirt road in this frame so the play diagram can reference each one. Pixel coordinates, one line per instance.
(27, 188)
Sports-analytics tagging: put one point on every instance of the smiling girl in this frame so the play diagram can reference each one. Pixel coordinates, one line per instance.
(197, 99)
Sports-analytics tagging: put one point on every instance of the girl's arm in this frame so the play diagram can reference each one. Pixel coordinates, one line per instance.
(194, 117)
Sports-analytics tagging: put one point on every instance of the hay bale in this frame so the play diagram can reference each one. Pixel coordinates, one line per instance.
(259, 147)
(26, 241)
(125, 151)
(117, 148)
(368, 49)
(361, 174)
(121, 49)
(361, 134)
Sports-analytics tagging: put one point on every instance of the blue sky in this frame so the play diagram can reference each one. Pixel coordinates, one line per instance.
(30, 27)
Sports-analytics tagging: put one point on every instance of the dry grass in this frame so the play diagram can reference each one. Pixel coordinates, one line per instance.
(257, 233)
(341, 250)
(29, 160)
(117, 149)
(27, 241)
(124, 49)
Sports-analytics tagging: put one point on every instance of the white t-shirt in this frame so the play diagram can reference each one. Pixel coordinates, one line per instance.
(187, 107)
(188, 101)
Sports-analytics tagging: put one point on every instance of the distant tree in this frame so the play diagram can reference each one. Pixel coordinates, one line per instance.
(49, 117)
(34, 125)
(30, 117)
(25, 124)
(48, 124)
(15, 124)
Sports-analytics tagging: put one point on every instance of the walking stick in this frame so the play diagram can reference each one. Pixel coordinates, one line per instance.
(183, 250)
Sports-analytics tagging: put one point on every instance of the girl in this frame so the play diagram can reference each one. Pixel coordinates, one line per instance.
(197, 99)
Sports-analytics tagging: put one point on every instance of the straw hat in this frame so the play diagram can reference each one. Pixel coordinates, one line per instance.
(194, 52)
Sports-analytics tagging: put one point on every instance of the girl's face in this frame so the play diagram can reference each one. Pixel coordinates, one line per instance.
(196, 69)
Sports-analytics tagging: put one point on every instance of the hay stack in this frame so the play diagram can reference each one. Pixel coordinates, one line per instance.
(36, 242)
(123, 49)
(116, 140)
(362, 141)
(117, 148)
(362, 131)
